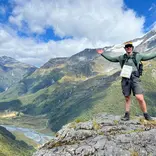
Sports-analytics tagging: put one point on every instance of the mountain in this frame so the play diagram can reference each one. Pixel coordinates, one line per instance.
(142, 44)
(148, 42)
(103, 135)
(75, 88)
(10, 146)
(12, 71)
(55, 62)
(79, 67)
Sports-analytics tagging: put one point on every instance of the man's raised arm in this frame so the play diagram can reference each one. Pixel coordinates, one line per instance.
(109, 58)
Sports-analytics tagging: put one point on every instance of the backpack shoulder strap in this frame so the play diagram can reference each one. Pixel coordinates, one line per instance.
(140, 65)
(124, 60)
(134, 58)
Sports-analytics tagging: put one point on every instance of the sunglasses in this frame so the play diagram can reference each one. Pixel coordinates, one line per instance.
(128, 45)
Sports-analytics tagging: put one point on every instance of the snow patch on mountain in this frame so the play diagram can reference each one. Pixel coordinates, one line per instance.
(151, 38)
(119, 48)
(82, 58)
(138, 42)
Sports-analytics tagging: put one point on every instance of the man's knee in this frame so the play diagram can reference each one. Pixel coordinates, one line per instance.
(139, 97)
(127, 98)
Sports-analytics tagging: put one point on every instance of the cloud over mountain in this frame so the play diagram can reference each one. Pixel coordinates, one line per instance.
(79, 25)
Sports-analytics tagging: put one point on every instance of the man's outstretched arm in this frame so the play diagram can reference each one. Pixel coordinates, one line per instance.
(148, 56)
(109, 58)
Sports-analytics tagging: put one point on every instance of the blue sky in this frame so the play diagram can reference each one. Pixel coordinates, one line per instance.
(146, 8)
(33, 31)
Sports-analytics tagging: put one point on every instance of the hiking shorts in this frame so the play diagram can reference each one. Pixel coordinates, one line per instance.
(133, 84)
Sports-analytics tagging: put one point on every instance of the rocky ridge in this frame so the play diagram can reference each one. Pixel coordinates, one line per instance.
(104, 135)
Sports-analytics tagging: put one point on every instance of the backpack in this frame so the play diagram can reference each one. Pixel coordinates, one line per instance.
(140, 67)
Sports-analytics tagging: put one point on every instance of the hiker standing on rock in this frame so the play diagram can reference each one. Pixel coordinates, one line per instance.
(130, 73)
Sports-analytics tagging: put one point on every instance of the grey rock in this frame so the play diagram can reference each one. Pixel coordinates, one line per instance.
(86, 126)
(85, 150)
(112, 138)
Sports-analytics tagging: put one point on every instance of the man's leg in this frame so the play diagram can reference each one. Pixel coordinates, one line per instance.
(126, 90)
(138, 92)
(142, 103)
(127, 103)
(126, 117)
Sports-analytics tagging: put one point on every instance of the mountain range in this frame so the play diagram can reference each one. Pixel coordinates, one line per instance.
(76, 87)
(12, 71)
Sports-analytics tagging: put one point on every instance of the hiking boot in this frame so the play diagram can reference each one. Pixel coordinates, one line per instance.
(147, 117)
(126, 117)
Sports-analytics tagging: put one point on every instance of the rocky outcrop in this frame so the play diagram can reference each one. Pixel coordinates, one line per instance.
(104, 135)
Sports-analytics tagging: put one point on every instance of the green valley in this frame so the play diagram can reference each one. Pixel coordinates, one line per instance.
(79, 98)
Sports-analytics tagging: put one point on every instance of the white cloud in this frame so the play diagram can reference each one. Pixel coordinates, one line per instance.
(153, 6)
(91, 24)
(31, 52)
(97, 20)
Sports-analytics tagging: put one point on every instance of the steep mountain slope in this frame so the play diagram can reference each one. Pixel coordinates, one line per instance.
(12, 71)
(70, 100)
(10, 146)
(79, 67)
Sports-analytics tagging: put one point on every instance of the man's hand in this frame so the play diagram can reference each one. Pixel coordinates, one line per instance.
(99, 51)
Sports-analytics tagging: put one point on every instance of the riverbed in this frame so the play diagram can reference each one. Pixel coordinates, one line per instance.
(39, 138)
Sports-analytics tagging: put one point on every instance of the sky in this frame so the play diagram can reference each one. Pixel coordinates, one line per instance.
(34, 31)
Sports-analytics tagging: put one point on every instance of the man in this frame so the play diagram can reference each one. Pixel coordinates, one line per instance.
(130, 77)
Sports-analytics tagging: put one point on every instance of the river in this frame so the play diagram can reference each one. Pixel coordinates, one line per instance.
(30, 133)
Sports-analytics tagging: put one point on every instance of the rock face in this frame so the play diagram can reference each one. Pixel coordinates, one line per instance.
(104, 135)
